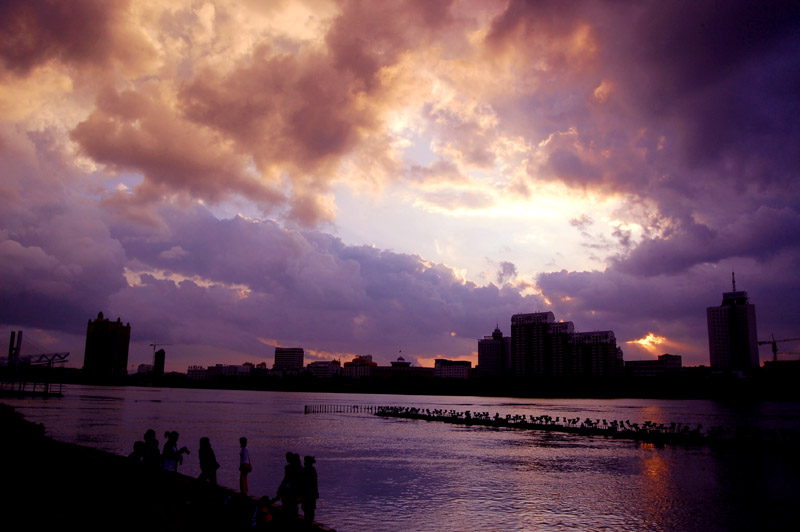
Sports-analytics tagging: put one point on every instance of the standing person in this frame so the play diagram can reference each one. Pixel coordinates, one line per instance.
(152, 456)
(244, 465)
(309, 489)
(289, 490)
(136, 457)
(208, 462)
(172, 456)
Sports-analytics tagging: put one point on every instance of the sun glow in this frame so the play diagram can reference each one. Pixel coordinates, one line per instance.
(650, 341)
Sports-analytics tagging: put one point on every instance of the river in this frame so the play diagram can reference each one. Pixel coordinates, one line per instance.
(378, 474)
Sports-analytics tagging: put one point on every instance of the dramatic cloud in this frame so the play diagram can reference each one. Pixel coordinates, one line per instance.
(134, 131)
(93, 34)
(305, 287)
(58, 258)
(228, 176)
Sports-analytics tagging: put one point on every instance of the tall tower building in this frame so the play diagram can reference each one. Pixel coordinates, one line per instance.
(732, 336)
(158, 363)
(106, 353)
(494, 355)
(529, 343)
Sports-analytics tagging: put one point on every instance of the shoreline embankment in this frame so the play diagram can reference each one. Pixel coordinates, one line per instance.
(48, 483)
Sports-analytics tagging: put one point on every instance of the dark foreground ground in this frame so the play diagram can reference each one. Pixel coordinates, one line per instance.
(47, 484)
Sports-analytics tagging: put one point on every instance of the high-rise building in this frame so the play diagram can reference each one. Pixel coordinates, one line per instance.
(158, 363)
(528, 339)
(494, 355)
(543, 347)
(596, 354)
(106, 353)
(732, 337)
(288, 358)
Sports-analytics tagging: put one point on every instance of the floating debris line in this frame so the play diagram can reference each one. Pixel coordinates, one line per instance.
(647, 432)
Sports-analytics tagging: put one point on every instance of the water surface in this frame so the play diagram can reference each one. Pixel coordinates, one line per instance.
(379, 474)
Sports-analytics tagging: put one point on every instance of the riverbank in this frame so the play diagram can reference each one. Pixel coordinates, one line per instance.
(47, 483)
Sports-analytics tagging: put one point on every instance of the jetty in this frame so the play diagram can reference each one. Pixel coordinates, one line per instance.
(33, 388)
(48, 484)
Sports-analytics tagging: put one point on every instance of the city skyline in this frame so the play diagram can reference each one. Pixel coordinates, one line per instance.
(395, 177)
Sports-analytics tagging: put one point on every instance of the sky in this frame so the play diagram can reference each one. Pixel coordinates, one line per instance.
(395, 178)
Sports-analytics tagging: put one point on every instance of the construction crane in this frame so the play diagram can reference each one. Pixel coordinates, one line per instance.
(775, 343)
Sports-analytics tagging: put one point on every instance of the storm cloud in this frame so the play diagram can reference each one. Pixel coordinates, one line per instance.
(189, 167)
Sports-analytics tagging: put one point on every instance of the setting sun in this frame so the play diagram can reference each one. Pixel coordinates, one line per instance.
(649, 341)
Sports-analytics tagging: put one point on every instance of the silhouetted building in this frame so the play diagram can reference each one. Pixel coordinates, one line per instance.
(665, 364)
(360, 366)
(451, 369)
(542, 347)
(227, 370)
(528, 339)
(400, 364)
(144, 368)
(196, 373)
(158, 363)
(783, 368)
(401, 368)
(288, 358)
(732, 340)
(325, 368)
(494, 355)
(106, 354)
(596, 354)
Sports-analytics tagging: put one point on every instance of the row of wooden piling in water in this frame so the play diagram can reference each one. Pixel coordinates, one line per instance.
(341, 409)
(650, 432)
(646, 432)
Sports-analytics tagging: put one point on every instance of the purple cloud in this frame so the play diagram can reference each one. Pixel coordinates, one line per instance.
(687, 114)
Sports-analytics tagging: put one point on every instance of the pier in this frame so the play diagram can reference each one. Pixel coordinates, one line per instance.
(23, 388)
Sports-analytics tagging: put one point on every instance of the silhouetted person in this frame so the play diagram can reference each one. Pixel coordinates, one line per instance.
(136, 457)
(289, 490)
(309, 489)
(208, 462)
(244, 465)
(172, 456)
(151, 460)
(263, 514)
